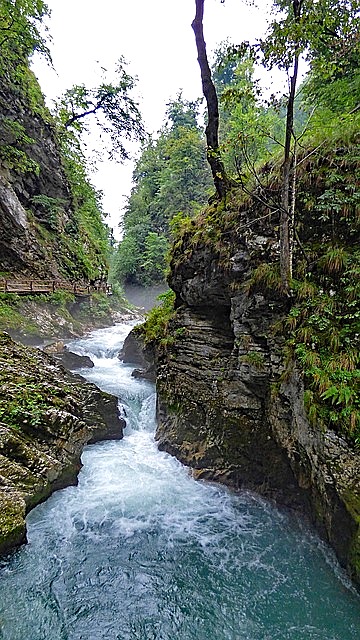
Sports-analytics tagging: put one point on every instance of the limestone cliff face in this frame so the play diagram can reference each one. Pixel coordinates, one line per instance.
(49, 224)
(33, 187)
(230, 408)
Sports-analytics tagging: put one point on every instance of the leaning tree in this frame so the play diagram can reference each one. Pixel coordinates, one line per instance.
(220, 178)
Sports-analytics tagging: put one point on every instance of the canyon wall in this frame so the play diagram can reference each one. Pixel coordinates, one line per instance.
(231, 395)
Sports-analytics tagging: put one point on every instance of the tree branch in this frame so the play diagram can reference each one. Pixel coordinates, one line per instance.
(79, 116)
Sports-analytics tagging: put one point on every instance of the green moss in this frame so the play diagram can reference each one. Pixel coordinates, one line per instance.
(24, 315)
(254, 358)
(213, 227)
(12, 522)
(266, 278)
(11, 316)
(175, 408)
(25, 394)
(354, 558)
(352, 502)
(155, 327)
(25, 400)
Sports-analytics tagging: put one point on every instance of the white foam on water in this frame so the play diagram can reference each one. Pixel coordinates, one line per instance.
(179, 558)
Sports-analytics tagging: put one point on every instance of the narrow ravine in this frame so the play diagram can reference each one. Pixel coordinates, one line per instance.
(139, 550)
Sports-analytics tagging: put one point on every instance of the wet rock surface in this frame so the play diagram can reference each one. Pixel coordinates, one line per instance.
(135, 351)
(230, 409)
(47, 415)
(71, 360)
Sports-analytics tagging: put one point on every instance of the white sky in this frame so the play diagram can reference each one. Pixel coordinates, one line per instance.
(156, 38)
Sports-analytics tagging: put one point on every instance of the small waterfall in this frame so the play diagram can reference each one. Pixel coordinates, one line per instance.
(139, 550)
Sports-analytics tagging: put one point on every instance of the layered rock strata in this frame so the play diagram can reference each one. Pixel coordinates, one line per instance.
(230, 408)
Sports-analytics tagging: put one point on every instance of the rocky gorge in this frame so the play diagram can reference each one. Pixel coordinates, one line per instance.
(51, 224)
(257, 389)
(231, 391)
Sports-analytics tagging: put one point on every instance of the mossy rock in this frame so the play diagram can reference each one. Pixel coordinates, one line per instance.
(352, 503)
(12, 521)
(47, 415)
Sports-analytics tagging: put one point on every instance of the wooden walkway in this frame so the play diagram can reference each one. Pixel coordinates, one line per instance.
(28, 287)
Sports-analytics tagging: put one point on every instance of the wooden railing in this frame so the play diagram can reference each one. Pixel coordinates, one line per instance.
(31, 286)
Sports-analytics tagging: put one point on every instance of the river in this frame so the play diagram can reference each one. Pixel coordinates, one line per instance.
(139, 550)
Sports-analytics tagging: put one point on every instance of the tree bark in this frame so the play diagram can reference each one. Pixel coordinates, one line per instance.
(209, 91)
(287, 202)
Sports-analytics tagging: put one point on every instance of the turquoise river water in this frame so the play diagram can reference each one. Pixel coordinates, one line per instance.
(139, 550)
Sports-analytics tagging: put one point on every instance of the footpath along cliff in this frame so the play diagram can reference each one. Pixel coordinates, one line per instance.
(257, 389)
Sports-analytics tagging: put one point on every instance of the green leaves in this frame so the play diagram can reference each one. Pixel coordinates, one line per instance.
(110, 106)
(24, 402)
(154, 329)
(87, 238)
(250, 131)
(153, 261)
(21, 23)
(325, 332)
(314, 29)
(338, 395)
(171, 179)
(12, 150)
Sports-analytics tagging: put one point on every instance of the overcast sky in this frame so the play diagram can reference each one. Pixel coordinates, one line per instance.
(156, 38)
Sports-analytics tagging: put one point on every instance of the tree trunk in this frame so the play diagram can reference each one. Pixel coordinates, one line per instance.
(209, 91)
(285, 234)
(292, 208)
(287, 203)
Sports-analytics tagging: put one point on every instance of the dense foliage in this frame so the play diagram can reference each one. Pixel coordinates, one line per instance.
(171, 181)
(323, 33)
(86, 237)
(116, 115)
(155, 328)
(250, 128)
(68, 218)
(21, 30)
(322, 329)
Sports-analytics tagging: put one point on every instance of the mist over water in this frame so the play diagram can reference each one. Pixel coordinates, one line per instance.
(139, 550)
(144, 297)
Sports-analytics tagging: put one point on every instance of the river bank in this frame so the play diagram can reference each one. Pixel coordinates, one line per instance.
(47, 415)
(41, 319)
(139, 549)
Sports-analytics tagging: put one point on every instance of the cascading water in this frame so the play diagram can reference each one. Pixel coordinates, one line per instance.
(139, 550)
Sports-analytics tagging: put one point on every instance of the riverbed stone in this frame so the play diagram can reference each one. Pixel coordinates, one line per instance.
(71, 360)
(136, 351)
